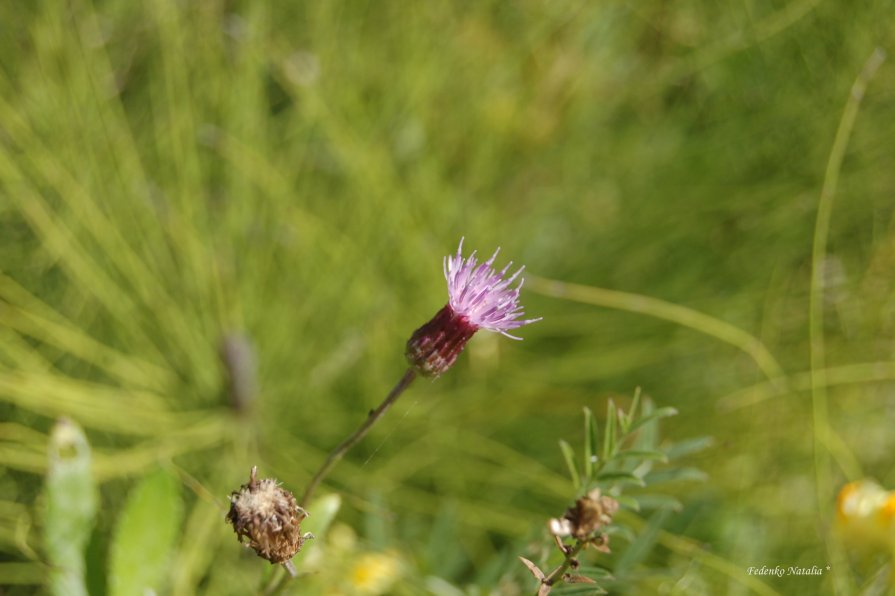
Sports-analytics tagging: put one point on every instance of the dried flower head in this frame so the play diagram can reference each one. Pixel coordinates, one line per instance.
(269, 517)
(478, 298)
(590, 514)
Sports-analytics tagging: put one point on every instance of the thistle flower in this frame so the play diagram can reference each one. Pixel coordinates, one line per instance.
(478, 298)
(268, 515)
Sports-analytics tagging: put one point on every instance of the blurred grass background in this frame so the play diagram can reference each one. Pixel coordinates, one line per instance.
(174, 174)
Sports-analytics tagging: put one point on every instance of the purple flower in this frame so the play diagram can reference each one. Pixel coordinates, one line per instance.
(478, 298)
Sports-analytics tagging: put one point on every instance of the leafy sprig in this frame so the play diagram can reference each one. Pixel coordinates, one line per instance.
(609, 474)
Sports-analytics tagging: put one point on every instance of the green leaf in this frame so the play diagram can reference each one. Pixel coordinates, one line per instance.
(569, 454)
(626, 418)
(609, 435)
(595, 572)
(628, 502)
(632, 413)
(321, 513)
(575, 589)
(653, 501)
(196, 555)
(689, 446)
(145, 536)
(71, 508)
(623, 532)
(590, 445)
(641, 547)
(642, 454)
(660, 413)
(676, 475)
(620, 477)
(440, 555)
(646, 437)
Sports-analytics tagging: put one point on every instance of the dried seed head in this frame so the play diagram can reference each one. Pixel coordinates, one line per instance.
(269, 516)
(590, 513)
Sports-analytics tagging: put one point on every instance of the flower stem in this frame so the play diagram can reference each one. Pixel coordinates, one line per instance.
(570, 554)
(359, 434)
(278, 581)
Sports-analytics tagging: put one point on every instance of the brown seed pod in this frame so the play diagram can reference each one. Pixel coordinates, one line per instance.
(269, 517)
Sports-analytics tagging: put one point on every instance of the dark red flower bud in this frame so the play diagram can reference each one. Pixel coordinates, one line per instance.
(434, 347)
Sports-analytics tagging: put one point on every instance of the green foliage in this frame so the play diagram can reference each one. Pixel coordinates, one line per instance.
(321, 512)
(632, 457)
(146, 531)
(70, 508)
(569, 455)
(638, 550)
(630, 450)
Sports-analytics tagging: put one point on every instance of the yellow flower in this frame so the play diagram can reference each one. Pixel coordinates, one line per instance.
(865, 513)
(375, 573)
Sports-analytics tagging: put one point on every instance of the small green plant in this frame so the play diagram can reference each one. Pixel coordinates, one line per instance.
(608, 477)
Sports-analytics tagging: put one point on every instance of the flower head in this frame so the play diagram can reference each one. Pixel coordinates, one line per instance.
(478, 298)
(590, 514)
(374, 573)
(269, 517)
(482, 295)
(865, 513)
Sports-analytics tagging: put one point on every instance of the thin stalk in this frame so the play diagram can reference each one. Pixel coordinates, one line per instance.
(668, 311)
(557, 574)
(822, 429)
(359, 434)
(278, 580)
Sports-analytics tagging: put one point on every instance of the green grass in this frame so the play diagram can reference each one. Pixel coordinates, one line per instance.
(175, 173)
